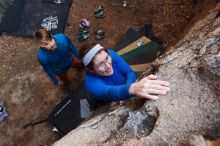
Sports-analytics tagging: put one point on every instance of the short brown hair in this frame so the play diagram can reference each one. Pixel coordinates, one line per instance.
(43, 35)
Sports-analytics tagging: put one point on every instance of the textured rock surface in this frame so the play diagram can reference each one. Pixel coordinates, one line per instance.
(193, 106)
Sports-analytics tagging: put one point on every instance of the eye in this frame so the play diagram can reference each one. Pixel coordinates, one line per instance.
(44, 44)
(101, 65)
(108, 59)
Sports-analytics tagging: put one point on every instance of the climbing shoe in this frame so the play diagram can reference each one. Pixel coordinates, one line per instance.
(84, 23)
(83, 34)
(99, 35)
(100, 15)
(100, 12)
(99, 9)
(85, 30)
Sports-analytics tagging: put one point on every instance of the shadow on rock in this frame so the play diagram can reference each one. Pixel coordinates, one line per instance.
(141, 122)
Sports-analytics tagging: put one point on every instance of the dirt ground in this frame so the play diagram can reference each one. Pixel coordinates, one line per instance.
(30, 95)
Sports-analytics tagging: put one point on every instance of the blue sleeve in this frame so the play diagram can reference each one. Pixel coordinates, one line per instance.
(123, 67)
(46, 68)
(100, 91)
(72, 47)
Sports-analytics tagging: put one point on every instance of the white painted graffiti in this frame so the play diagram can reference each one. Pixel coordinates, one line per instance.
(50, 23)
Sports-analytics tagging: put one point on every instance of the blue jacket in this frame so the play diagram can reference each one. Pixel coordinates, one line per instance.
(114, 87)
(59, 60)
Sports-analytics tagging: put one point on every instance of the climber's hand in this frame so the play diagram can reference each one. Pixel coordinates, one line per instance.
(149, 87)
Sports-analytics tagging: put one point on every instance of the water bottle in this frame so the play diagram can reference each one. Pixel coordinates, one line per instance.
(125, 3)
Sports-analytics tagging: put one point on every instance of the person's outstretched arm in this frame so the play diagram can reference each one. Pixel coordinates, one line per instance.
(149, 87)
(103, 92)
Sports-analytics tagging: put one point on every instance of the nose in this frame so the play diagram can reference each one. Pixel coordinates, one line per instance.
(51, 44)
(107, 64)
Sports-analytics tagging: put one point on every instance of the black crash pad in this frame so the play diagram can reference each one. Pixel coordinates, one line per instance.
(43, 15)
(10, 14)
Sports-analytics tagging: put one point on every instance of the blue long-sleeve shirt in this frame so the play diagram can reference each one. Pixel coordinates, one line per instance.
(60, 60)
(114, 87)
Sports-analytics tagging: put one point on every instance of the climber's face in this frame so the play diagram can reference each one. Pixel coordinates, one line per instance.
(103, 64)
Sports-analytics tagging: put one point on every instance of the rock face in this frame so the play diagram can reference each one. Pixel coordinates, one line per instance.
(193, 106)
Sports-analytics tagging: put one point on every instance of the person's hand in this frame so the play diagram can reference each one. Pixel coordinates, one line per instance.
(149, 88)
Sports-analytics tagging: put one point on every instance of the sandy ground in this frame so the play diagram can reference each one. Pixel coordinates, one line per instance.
(30, 95)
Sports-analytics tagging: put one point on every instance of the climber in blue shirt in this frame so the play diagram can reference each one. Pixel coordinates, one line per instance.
(109, 77)
(56, 55)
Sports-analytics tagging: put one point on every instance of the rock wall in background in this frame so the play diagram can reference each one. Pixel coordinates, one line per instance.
(192, 67)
